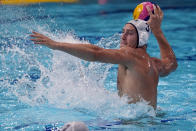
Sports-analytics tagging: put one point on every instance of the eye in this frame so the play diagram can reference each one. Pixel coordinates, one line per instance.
(130, 32)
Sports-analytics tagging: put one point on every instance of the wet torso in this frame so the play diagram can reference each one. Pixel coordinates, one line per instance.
(139, 80)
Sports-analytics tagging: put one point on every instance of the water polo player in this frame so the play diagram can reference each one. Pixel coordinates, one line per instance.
(138, 73)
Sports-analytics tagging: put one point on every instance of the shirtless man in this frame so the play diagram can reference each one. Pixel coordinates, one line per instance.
(138, 73)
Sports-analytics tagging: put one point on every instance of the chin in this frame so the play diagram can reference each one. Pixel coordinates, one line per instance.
(123, 44)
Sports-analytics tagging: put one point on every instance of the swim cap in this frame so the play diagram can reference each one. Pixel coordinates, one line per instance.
(75, 126)
(143, 31)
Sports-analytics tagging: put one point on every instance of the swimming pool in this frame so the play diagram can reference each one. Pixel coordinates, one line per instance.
(41, 89)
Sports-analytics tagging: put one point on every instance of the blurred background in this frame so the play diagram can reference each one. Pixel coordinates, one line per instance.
(169, 3)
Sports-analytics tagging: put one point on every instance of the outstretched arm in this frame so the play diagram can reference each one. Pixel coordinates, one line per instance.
(168, 61)
(87, 52)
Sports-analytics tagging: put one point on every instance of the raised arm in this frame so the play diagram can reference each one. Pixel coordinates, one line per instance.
(168, 62)
(87, 52)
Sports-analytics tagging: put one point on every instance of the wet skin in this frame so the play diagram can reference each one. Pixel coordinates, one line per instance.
(139, 78)
(138, 73)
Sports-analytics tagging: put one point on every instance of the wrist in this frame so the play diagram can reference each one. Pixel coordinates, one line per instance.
(157, 32)
(55, 45)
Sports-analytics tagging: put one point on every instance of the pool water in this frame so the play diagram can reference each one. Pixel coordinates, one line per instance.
(41, 89)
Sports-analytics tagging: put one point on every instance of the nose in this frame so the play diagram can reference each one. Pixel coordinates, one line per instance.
(124, 36)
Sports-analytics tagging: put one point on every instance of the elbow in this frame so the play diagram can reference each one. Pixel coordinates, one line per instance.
(95, 56)
(91, 56)
(172, 65)
(168, 68)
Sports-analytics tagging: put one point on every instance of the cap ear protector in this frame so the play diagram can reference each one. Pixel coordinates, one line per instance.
(143, 30)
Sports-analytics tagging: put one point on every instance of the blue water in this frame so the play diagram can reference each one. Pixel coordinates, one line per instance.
(41, 89)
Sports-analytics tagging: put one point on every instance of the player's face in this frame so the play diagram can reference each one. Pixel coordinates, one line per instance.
(129, 36)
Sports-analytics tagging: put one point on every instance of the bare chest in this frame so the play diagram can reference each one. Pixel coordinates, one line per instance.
(136, 80)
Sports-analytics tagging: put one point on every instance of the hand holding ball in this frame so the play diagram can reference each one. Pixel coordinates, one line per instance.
(141, 12)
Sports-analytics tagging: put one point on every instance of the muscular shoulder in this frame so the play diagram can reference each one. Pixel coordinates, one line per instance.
(129, 52)
(126, 50)
(139, 58)
(163, 67)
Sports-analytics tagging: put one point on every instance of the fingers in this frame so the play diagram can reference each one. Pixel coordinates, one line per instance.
(149, 10)
(158, 14)
(36, 33)
(37, 36)
(155, 9)
(160, 11)
(150, 13)
(39, 41)
(155, 19)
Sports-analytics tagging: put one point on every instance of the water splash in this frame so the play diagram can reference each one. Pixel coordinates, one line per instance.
(63, 81)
